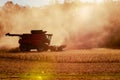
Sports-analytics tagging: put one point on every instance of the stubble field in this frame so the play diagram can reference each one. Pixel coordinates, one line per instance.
(92, 64)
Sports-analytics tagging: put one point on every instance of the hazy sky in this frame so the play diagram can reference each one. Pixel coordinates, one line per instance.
(39, 2)
(27, 2)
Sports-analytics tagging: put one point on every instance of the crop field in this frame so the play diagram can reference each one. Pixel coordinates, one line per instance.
(91, 64)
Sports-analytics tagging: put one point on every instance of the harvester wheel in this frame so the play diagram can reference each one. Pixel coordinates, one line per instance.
(24, 48)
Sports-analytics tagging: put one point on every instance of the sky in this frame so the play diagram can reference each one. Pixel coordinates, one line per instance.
(27, 2)
(38, 2)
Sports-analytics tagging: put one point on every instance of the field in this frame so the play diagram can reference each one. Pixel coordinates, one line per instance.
(92, 64)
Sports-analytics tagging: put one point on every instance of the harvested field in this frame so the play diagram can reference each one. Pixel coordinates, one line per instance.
(93, 64)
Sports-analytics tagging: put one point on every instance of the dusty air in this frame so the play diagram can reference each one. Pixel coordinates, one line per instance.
(77, 24)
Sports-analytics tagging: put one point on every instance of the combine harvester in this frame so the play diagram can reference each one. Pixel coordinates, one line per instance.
(38, 39)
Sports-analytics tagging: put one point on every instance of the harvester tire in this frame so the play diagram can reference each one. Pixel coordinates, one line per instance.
(24, 48)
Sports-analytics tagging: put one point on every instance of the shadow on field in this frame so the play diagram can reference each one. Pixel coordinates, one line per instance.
(14, 50)
(10, 50)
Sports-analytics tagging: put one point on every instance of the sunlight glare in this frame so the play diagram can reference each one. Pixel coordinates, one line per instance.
(39, 77)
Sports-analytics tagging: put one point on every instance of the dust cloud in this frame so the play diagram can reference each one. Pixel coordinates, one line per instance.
(77, 25)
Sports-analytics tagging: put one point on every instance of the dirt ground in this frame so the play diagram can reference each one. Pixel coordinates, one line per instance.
(66, 65)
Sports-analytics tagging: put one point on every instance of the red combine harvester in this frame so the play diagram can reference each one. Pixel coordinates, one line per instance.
(38, 39)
